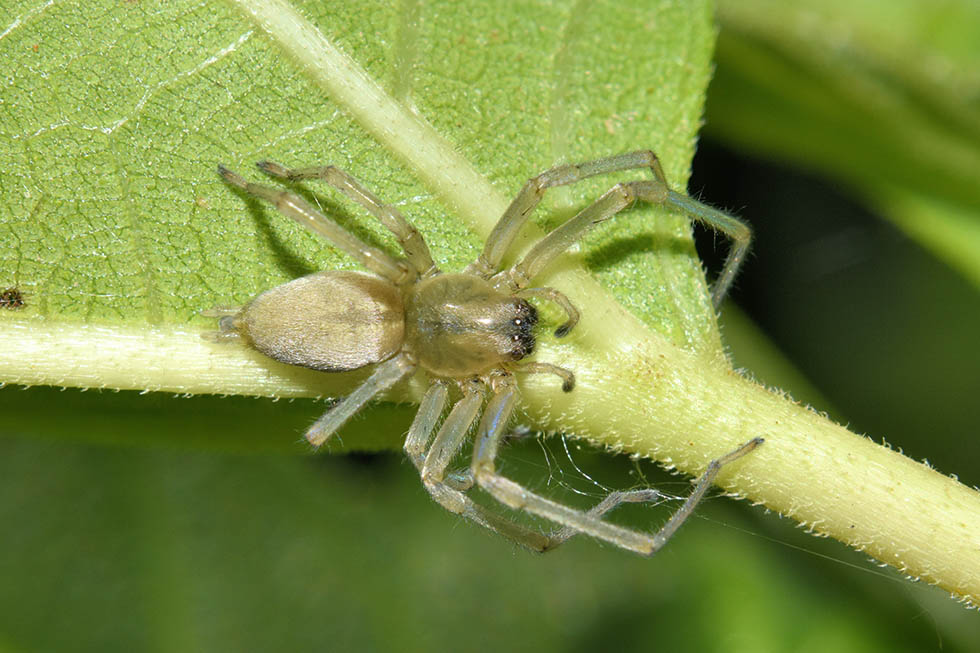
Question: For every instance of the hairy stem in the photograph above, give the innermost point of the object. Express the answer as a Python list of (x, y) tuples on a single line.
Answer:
[(643, 396)]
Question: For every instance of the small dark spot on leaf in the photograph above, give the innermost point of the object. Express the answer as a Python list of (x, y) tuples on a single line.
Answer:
[(12, 298)]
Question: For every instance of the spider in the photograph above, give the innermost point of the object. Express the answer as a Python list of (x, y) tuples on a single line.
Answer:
[(471, 329)]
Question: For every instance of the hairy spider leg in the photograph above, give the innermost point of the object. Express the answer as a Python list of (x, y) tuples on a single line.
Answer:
[(737, 231), (516, 215), (385, 375), (432, 465), (655, 191), (450, 492), (424, 424), (293, 206), (411, 241), (574, 521)]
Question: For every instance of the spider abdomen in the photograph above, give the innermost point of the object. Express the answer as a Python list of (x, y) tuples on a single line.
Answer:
[(331, 321), (458, 325)]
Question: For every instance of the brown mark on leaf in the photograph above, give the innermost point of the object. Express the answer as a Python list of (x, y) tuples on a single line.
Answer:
[(12, 298)]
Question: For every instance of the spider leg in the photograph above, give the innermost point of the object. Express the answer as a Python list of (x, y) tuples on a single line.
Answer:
[(293, 206), (516, 215), (655, 191), (575, 521), (608, 504), (384, 376), (411, 241), (620, 197), (737, 231), (424, 424), (485, 450), (452, 433), (617, 198), (496, 417), (534, 367), (449, 492)]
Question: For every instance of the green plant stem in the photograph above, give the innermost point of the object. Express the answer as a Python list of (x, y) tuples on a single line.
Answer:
[(640, 395)]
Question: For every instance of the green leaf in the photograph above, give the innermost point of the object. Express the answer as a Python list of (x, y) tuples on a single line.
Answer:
[(114, 213), (120, 232)]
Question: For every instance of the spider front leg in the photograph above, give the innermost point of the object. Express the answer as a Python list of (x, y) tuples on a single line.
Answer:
[(736, 230), (620, 197), (517, 214), (576, 521), (655, 191)]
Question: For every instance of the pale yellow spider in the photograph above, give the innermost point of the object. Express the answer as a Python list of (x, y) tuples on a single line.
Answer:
[(470, 329)]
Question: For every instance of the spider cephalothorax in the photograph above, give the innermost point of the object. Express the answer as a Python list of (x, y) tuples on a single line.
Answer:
[(458, 325)]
